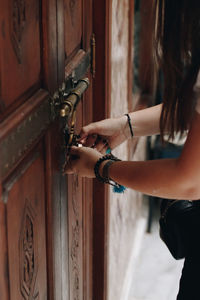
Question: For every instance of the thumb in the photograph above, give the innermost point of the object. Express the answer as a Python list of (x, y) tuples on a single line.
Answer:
[(74, 152)]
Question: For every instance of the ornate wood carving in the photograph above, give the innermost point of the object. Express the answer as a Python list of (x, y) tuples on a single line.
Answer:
[(75, 244), (17, 26), (72, 4), (14, 145), (74, 199), (74, 256), (28, 255)]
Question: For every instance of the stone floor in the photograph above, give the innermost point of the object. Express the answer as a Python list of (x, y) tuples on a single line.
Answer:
[(156, 274)]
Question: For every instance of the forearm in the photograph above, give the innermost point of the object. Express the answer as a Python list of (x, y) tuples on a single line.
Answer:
[(145, 122), (161, 178), (176, 178)]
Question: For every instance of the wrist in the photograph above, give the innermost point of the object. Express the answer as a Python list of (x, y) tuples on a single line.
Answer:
[(126, 127), (130, 125), (101, 167), (101, 170)]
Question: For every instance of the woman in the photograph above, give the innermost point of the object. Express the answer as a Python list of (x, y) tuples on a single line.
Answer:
[(177, 54)]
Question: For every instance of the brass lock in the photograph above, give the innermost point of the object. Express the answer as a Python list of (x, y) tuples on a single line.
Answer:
[(68, 112), (70, 101)]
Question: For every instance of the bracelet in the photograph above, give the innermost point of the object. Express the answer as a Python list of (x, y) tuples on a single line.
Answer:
[(105, 173), (99, 162), (117, 188), (130, 126)]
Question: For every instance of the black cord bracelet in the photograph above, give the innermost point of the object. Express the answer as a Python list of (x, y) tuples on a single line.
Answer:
[(130, 126), (105, 172)]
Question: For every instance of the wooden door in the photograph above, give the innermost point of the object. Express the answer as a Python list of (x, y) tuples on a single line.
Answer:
[(45, 217)]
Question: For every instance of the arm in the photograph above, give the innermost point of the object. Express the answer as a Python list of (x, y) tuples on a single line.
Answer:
[(168, 178), (116, 130), (171, 178)]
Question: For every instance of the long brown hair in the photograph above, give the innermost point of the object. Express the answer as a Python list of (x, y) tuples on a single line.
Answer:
[(177, 51)]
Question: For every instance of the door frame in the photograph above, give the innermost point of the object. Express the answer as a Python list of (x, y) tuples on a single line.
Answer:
[(102, 16), (102, 28)]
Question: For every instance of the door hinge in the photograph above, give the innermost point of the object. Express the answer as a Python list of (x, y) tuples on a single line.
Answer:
[(93, 55)]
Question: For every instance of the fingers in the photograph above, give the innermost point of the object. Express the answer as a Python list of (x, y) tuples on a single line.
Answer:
[(86, 131), (75, 151), (88, 140), (91, 140), (95, 141), (100, 144), (90, 136), (82, 161)]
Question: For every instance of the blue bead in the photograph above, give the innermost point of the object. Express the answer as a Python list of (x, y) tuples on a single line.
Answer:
[(119, 189), (108, 151)]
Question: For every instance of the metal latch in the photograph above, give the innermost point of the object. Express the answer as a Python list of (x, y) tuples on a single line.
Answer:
[(70, 101), (68, 109)]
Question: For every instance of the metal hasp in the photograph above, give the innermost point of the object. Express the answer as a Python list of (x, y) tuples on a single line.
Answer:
[(69, 103)]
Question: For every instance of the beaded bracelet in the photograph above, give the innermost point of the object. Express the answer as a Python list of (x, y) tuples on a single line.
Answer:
[(117, 188), (105, 172), (99, 162), (129, 124)]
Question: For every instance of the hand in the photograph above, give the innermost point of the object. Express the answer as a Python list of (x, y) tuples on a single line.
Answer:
[(100, 135), (82, 161)]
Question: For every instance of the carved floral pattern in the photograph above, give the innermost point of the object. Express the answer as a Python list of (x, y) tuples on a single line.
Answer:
[(28, 256), (17, 26), (76, 284), (74, 200), (75, 243), (72, 5)]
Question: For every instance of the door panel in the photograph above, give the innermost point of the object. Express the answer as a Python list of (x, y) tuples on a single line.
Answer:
[(26, 53), (73, 25), (26, 229), (78, 32), (45, 217), (75, 238), (20, 130), (20, 49)]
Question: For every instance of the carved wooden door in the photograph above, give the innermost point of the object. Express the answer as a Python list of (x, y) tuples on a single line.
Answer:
[(45, 217)]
